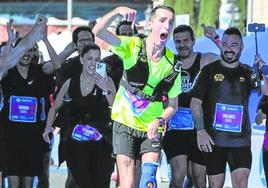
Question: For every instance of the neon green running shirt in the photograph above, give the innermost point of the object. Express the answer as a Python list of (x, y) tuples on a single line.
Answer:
[(122, 111)]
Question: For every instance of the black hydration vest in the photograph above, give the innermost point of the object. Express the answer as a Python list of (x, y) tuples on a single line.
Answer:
[(136, 78)]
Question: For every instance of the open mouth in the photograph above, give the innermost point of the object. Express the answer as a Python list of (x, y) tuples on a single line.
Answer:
[(163, 36)]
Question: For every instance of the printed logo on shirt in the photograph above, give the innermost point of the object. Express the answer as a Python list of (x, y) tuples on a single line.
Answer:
[(241, 79), (186, 86), (218, 77)]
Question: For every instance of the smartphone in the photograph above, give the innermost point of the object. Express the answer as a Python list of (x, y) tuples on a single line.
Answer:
[(101, 69), (256, 27)]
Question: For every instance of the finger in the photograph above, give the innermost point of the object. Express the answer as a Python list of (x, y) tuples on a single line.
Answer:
[(209, 147), (133, 22), (46, 138), (211, 141), (126, 17)]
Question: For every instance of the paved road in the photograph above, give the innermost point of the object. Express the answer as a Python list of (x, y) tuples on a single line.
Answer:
[(58, 176)]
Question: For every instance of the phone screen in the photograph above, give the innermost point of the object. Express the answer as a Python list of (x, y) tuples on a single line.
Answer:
[(101, 69)]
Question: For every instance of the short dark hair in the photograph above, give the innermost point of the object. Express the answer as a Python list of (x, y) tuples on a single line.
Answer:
[(184, 28), (233, 31), (91, 46), (162, 7), (78, 30), (124, 22)]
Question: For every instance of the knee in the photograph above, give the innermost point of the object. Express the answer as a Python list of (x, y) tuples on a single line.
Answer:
[(241, 183), (148, 178), (199, 180), (177, 179)]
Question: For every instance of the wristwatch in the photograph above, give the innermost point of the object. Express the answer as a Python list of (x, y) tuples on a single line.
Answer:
[(106, 92)]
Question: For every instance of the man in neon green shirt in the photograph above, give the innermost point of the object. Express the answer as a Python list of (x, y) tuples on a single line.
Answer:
[(139, 108)]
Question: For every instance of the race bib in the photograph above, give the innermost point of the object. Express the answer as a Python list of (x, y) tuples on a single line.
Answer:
[(23, 109), (228, 117), (137, 104), (181, 120), (84, 133)]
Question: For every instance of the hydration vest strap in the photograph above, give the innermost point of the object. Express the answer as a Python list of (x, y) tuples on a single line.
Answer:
[(136, 91)]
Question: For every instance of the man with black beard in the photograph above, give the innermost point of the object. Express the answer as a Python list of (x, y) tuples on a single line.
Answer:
[(220, 111), (180, 143)]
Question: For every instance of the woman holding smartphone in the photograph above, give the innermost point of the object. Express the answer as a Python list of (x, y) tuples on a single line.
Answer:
[(84, 115)]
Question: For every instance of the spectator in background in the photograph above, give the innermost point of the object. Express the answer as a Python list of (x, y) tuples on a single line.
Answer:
[(81, 37)]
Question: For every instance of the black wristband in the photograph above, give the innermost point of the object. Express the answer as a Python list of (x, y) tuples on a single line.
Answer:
[(162, 121)]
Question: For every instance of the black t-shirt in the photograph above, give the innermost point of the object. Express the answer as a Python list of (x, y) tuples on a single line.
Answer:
[(228, 91), (188, 77)]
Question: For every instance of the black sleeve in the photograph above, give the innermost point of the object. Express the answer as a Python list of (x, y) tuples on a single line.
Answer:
[(201, 84)]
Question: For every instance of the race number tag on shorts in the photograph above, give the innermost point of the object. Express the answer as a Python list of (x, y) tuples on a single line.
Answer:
[(138, 105), (228, 117), (181, 120), (22, 109), (85, 133)]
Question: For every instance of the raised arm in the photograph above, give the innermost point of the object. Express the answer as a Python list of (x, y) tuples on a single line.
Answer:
[(55, 63), (101, 28), (13, 56), (7, 49), (53, 111), (210, 33), (67, 51)]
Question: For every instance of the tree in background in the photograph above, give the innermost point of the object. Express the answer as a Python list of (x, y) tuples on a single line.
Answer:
[(208, 14), (242, 4), (184, 7)]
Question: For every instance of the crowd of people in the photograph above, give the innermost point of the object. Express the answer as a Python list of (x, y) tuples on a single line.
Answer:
[(192, 105)]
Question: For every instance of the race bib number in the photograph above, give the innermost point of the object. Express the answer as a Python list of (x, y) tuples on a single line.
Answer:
[(84, 133), (137, 104), (181, 120), (228, 117), (23, 109)]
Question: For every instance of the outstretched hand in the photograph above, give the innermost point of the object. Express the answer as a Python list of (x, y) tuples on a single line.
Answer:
[(209, 31)]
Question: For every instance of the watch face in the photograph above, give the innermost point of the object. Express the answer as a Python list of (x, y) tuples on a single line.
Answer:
[(107, 92)]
